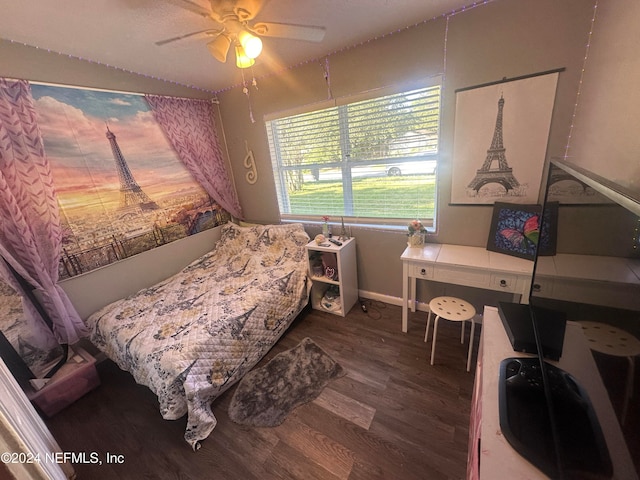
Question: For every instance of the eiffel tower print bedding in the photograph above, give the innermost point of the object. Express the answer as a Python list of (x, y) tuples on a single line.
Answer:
[(192, 336)]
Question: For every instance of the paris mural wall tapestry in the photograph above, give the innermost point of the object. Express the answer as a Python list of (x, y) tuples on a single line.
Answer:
[(500, 140), (121, 187)]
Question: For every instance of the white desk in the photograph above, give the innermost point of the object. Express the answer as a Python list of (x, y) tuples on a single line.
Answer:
[(497, 458), (462, 265), (607, 281)]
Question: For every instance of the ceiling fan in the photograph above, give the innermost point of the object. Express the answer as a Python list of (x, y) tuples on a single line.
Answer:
[(236, 27)]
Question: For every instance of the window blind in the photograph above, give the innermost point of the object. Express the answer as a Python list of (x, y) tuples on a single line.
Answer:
[(372, 161)]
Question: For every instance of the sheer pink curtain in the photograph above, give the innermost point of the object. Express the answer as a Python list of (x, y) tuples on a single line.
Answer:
[(30, 232), (39, 335), (190, 127)]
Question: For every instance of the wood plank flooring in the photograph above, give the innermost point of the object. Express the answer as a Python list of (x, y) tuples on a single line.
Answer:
[(393, 416)]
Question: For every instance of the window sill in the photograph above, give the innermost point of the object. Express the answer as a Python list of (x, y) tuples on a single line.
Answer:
[(336, 226)]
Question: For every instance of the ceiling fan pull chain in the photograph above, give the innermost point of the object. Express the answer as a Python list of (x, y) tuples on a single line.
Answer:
[(254, 82), (245, 90)]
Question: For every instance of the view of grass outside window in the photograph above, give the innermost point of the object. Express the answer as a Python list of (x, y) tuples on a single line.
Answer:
[(371, 161)]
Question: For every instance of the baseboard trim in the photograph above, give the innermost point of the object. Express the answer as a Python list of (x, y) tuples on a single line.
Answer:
[(421, 306)]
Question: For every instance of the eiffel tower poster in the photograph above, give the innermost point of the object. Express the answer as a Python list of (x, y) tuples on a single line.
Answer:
[(500, 140)]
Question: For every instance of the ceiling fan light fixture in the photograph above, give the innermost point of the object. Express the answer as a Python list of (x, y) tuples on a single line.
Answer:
[(251, 44), (219, 47), (242, 60)]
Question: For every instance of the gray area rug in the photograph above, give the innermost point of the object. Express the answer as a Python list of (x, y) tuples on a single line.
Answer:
[(266, 395)]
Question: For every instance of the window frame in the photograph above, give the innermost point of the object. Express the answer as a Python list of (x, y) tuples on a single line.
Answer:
[(378, 223)]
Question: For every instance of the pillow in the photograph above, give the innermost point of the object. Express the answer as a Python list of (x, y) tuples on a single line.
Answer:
[(234, 238), (280, 243), (247, 224), (232, 241)]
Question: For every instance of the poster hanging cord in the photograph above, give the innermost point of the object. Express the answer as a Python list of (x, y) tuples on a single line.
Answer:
[(327, 77)]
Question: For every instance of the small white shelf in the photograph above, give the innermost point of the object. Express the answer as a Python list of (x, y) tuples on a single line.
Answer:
[(347, 277)]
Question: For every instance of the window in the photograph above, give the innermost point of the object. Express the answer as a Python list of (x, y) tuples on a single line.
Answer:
[(372, 161)]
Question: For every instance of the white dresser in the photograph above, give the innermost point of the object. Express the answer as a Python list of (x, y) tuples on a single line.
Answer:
[(490, 455)]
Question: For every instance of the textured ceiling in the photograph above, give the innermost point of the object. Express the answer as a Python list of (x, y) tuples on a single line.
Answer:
[(123, 33)]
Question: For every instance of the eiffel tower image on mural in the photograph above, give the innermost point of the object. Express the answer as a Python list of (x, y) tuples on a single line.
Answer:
[(495, 168), (131, 195)]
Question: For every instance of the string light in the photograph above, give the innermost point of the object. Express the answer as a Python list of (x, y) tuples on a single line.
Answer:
[(444, 50), (325, 63), (300, 64), (584, 65), (365, 42), (635, 241), (95, 62), (444, 57)]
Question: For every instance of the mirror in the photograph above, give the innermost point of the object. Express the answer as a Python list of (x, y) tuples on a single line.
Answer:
[(594, 278), (36, 347)]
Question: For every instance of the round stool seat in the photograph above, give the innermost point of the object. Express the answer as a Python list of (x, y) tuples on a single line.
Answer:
[(614, 341), (455, 310), (611, 340), (452, 308)]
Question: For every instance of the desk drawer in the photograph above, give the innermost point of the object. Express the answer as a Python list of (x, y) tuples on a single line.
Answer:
[(420, 270), (505, 282), (543, 287), (463, 276)]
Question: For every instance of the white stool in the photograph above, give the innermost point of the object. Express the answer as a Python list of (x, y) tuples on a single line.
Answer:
[(455, 310), (614, 341)]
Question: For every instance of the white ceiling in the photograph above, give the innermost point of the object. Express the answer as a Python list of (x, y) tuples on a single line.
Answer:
[(122, 33)]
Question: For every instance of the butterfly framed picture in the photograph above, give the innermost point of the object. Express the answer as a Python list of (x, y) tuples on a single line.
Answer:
[(516, 230)]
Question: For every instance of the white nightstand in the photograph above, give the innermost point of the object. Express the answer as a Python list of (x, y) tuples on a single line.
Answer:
[(338, 292)]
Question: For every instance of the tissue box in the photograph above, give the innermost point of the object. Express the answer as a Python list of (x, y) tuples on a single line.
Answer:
[(75, 378)]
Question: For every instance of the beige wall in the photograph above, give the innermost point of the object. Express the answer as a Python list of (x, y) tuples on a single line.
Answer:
[(501, 39), (38, 65), (605, 136), (504, 38), (93, 290)]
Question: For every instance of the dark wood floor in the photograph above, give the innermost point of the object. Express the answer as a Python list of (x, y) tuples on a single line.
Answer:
[(393, 416)]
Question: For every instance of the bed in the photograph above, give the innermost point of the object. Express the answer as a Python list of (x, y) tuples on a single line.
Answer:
[(192, 336)]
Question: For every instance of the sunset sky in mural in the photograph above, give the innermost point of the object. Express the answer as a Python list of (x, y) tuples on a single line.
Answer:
[(74, 125)]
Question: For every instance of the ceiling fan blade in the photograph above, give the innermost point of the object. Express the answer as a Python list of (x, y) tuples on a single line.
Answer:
[(191, 6), (210, 32), (289, 30)]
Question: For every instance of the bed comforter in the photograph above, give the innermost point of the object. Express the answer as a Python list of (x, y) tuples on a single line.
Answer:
[(192, 336)]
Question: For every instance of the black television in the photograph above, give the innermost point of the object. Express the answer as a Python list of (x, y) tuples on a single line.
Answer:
[(593, 279)]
